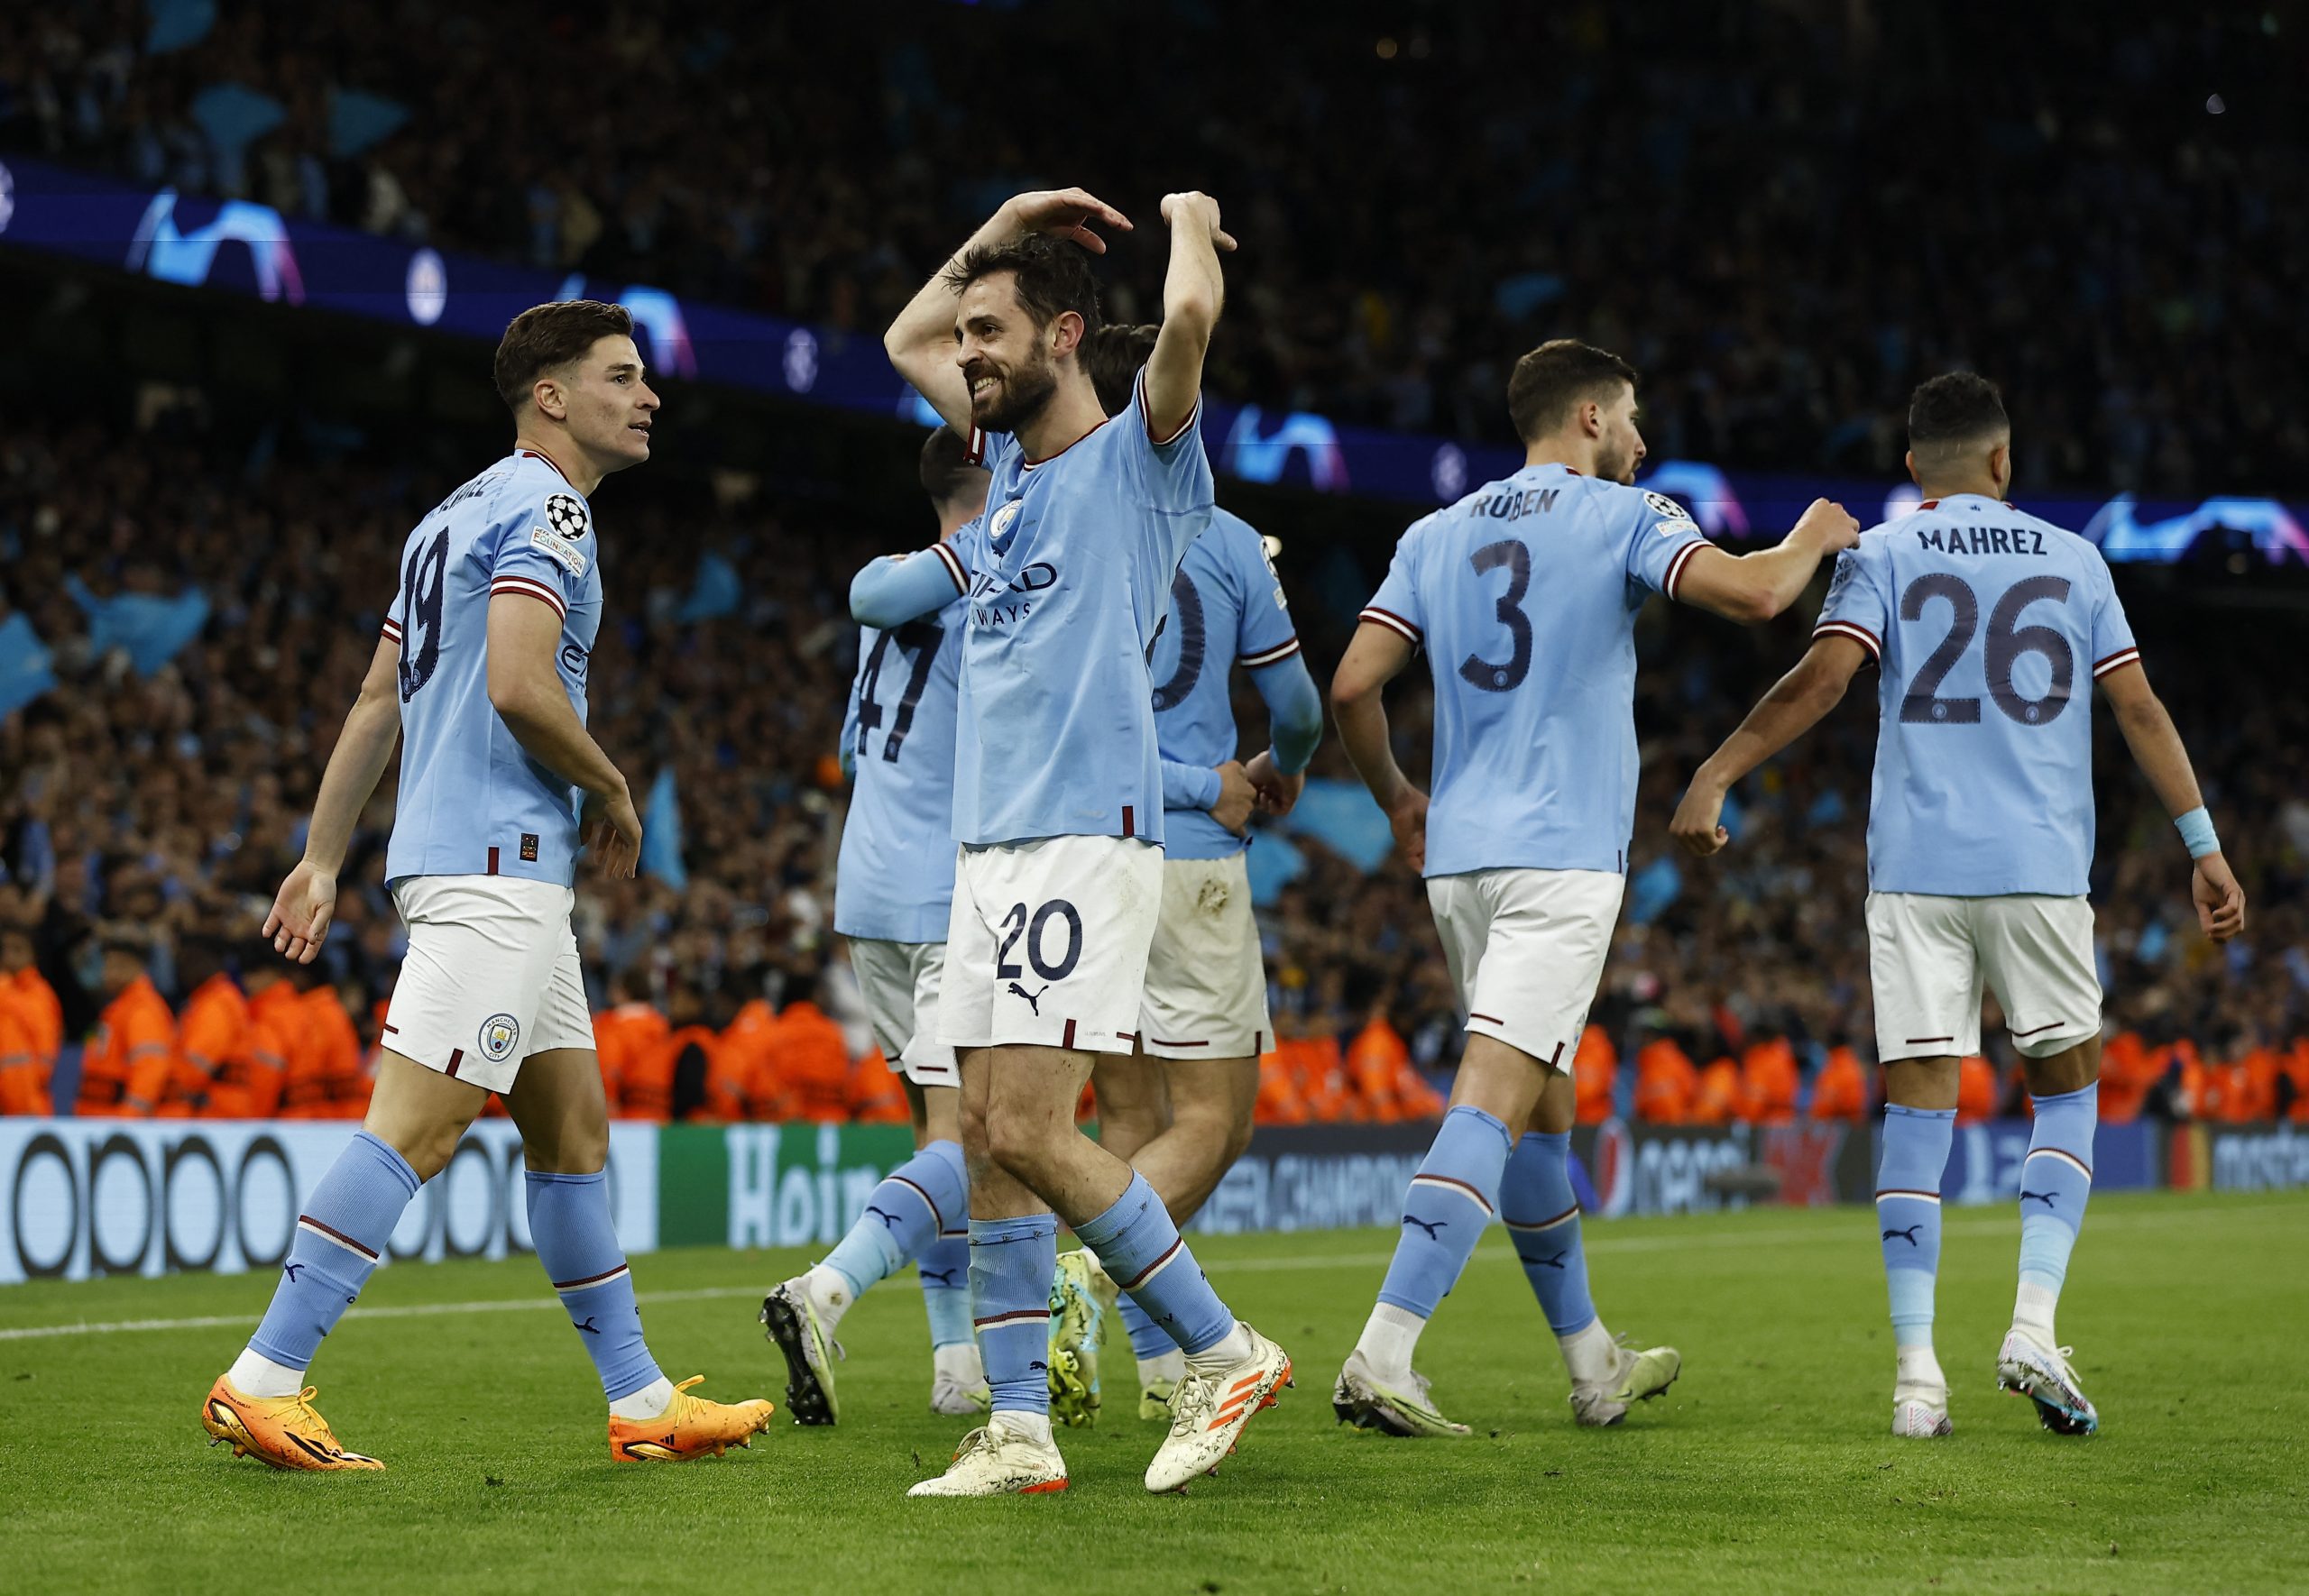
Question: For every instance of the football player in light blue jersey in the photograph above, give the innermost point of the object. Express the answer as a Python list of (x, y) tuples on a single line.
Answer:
[(1058, 800), (894, 885), (1180, 1107), (1524, 594), (482, 669), (1987, 624)]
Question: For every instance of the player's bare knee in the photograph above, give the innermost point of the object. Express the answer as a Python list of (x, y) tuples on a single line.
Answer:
[(578, 1150), (1017, 1139), (2070, 1069)]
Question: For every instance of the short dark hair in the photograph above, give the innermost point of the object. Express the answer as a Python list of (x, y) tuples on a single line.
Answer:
[(1112, 355), (1953, 408), (1050, 276), (1559, 374), (946, 468), (544, 337)]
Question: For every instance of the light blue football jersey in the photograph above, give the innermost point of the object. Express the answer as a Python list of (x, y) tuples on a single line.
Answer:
[(1524, 595), (472, 802), (1990, 626), (1227, 608), (1070, 578), (895, 879)]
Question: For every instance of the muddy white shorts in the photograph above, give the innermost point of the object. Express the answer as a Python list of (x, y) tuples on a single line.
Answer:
[(900, 983), (1929, 956), (1526, 948), (1206, 982), (491, 977), (1047, 943)]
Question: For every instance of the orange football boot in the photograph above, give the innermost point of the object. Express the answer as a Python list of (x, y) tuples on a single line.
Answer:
[(286, 1432), (690, 1428)]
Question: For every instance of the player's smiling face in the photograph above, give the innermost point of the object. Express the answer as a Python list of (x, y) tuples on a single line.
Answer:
[(1620, 450), (609, 403), (1004, 356)]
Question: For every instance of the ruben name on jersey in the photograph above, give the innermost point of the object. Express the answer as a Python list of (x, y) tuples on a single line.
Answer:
[(1524, 594), (472, 801), (1989, 626)]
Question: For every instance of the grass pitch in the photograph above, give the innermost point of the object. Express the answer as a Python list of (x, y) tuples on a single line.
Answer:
[(1768, 1467)]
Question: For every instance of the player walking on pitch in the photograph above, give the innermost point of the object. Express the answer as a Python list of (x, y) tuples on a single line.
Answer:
[(1058, 801), (894, 887), (1524, 594), (1980, 842), (485, 648)]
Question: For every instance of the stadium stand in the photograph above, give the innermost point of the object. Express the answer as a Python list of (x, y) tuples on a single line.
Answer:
[(1395, 275)]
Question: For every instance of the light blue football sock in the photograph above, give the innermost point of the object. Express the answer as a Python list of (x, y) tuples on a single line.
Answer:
[(1908, 1214), (2056, 1181), (903, 1216), (340, 1237), (1451, 1199), (1148, 1340), (576, 1242), (944, 1267), (1541, 1214), (1011, 1264), (1144, 1253)]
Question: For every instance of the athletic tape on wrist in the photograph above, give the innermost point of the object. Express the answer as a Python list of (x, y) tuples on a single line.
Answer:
[(2196, 832)]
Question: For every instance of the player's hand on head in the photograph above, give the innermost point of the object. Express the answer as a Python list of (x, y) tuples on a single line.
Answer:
[(610, 828), (1695, 822), (1237, 797), (1277, 792), (1192, 204), (2220, 900), (301, 912), (1068, 213), (1408, 820), (1830, 525)]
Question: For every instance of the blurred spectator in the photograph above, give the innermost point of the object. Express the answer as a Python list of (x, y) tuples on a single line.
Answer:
[(1735, 196)]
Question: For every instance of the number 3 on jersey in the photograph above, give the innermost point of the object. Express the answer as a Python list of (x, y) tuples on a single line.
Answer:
[(919, 639), (1504, 676)]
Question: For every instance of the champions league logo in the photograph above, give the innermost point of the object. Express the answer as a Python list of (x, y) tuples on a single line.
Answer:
[(566, 514)]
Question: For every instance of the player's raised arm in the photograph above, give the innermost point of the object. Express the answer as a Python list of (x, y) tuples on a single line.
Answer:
[(307, 901), (1752, 588), (1794, 706), (2156, 749), (1375, 656), (920, 341), (1193, 294), (525, 688)]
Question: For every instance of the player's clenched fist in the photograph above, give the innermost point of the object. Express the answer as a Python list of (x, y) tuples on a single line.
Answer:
[(1697, 822), (1828, 525), (1194, 205), (1067, 213)]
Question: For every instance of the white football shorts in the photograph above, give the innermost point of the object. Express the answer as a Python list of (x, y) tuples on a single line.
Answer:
[(491, 977), (1206, 981), (1929, 956), (900, 983), (1047, 943), (1526, 948)]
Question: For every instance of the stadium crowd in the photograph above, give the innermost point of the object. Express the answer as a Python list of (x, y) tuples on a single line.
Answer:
[(1668, 188), (149, 808)]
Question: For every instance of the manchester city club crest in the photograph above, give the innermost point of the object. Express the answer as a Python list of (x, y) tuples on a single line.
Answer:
[(565, 513), (500, 1035)]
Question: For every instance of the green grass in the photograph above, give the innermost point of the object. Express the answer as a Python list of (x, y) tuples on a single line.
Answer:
[(1767, 1468)]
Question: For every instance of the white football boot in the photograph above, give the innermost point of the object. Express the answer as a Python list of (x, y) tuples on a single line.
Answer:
[(995, 1460), (2027, 1366), (1209, 1412), (1636, 1377)]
